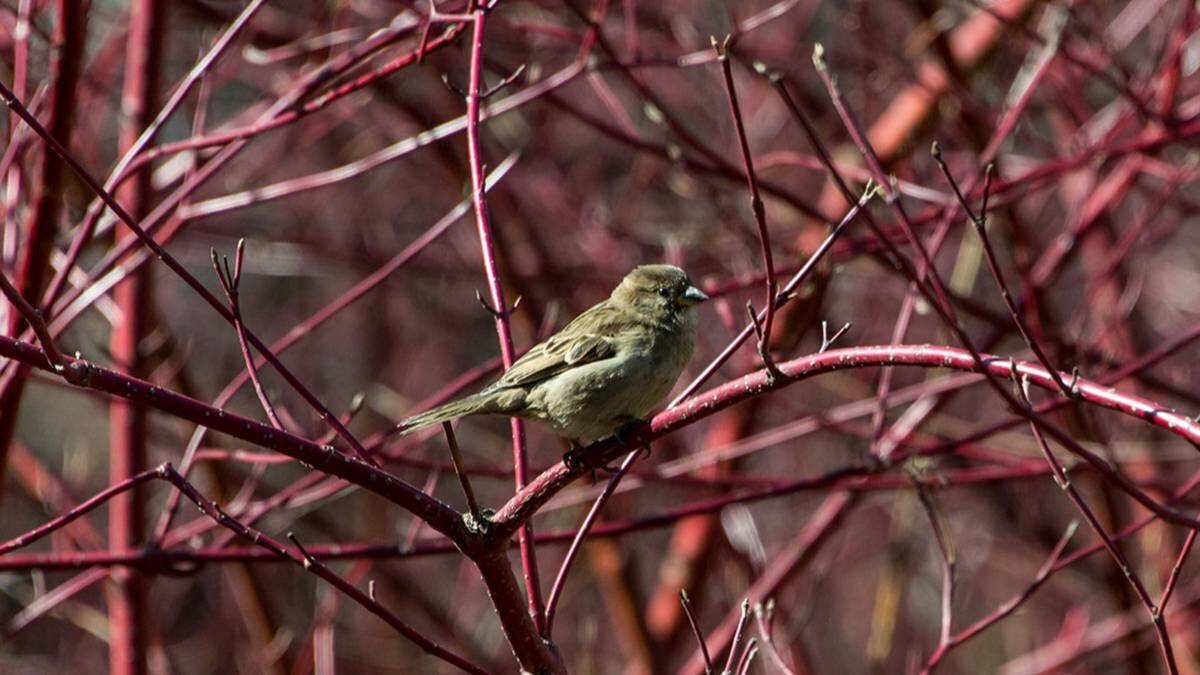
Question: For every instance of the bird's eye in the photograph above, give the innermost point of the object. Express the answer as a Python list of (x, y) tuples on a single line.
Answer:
[(664, 291)]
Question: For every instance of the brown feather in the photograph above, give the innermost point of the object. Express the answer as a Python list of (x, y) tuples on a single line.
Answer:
[(609, 366)]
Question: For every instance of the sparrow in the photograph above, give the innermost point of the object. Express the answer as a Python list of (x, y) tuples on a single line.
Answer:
[(605, 370)]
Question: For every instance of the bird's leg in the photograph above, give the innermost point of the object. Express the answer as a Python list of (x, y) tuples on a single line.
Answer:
[(644, 453), (623, 435), (629, 427)]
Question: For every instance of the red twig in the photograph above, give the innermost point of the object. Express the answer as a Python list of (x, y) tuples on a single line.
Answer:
[(503, 327), (979, 222), (34, 318), (41, 223), (84, 507), (799, 551), (785, 295), (748, 657), (318, 568), (128, 434), (323, 315), (763, 615), (737, 637), (123, 169), (757, 208), (463, 481), (1007, 608), (582, 533), (936, 292), (278, 112), (691, 617), (549, 482), (946, 551), (84, 374), (230, 282), (1173, 579), (182, 273), (852, 126), (1060, 477)]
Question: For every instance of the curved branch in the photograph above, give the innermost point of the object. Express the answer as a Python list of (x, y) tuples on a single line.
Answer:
[(529, 500), (81, 373)]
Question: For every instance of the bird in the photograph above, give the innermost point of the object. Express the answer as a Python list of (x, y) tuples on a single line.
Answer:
[(604, 371)]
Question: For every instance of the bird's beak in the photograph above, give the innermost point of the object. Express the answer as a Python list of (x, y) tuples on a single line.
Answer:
[(692, 296)]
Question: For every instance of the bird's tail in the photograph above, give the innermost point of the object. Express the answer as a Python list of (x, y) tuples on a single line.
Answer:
[(471, 405)]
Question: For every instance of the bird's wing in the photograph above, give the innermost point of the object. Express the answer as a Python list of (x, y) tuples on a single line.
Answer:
[(589, 337)]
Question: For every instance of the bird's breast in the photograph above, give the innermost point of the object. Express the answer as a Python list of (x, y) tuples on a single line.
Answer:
[(591, 401)]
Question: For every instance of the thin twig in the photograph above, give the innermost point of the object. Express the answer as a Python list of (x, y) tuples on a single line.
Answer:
[(230, 283), (321, 316), (310, 563), (35, 321), (1060, 477), (1008, 607), (463, 480), (747, 659), (529, 568), (79, 510), (691, 617), (584, 529), (1173, 579), (936, 293), (123, 168), (979, 222), (947, 553), (826, 341), (763, 615), (737, 637), (784, 296), (756, 206), (175, 266)]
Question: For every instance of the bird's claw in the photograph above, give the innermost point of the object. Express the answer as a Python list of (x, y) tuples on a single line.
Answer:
[(573, 459)]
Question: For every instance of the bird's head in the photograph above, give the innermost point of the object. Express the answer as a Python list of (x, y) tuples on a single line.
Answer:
[(662, 289)]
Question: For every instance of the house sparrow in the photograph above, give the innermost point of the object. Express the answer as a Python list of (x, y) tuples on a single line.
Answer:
[(608, 368)]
